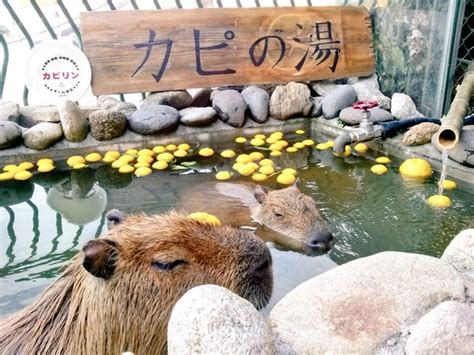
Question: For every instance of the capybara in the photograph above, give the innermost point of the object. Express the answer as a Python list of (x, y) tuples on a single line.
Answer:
[(117, 295), (292, 214)]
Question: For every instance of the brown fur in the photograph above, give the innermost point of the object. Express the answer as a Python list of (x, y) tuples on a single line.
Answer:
[(125, 306)]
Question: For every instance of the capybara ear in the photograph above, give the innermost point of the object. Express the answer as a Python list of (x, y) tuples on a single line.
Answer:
[(100, 256), (115, 217), (260, 193)]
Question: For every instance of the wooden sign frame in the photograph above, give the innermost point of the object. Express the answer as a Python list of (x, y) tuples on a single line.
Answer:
[(136, 51)]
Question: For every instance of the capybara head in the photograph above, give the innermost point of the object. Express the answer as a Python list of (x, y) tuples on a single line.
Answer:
[(294, 214), (118, 294)]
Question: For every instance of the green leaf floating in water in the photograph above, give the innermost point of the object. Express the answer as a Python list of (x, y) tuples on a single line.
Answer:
[(188, 163)]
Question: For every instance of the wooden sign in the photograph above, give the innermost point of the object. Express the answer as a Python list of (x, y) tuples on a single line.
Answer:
[(135, 51)]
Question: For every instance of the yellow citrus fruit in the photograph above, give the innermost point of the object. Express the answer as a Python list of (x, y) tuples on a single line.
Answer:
[(159, 149), (278, 135), (160, 165), (383, 160), (289, 171), (346, 153), (180, 153), (330, 144), (228, 153), (143, 171), (109, 159), (112, 153), (6, 176), (132, 152), (147, 152), (142, 164), (266, 162), (257, 142), (292, 149), (243, 158), (308, 142), (145, 159), (26, 165), (127, 158), (300, 131), (266, 169), (275, 147), (379, 169), (299, 145), (240, 140), (256, 155), (253, 165), (361, 148), (45, 168), (206, 152), (322, 146), (76, 159), (440, 201), (416, 168), (259, 177), (271, 140), (44, 161), (165, 157), (11, 167), (286, 179), (171, 147), (184, 146), (260, 136), (23, 175), (237, 165), (275, 153), (204, 217), (449, 184), (125, 169), (93, 157), (246, 170), (282, 143), (223, 175), (79, 166), (119, 163)]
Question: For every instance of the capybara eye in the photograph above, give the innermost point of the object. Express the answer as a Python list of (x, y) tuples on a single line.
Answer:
[(278, 214), (166, 266)]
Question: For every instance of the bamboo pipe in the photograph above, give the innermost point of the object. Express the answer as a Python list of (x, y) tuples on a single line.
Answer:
[(452, 123)]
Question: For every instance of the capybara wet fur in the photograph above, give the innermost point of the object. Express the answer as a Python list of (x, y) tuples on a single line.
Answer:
[(117, 295)]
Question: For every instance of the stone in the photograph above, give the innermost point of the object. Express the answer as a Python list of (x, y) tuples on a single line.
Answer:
[(324, 87), (176, 99), (460, 252), (107, 102), (126, 108), (257, 103), (154, 119), (210, 319), (352, 116), (42, 135), (420, 133), (367, 88), (355, 307), (447, 329), (340, 98), (197, 116), (31, 115), (74, 123), (10, 134), (202, 98), (403, 107), (317, 108), (230, 107), (290, 100), (9, 111), (87, 110), (107, 124), (462, 152)]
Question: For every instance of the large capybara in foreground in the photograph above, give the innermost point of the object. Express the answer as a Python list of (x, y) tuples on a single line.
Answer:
[(294, 216), (118, 294)]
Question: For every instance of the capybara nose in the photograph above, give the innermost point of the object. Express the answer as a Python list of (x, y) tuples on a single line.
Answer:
[(321, 241)]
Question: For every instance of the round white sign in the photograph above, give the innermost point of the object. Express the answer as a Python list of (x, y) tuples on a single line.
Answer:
[(58, 70)]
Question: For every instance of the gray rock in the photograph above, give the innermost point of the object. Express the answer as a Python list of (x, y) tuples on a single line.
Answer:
[(368, 89), (42, 135), (87, 110), (210, 319), (31, 115), (230, 107), (403, 107), (350, 115), (202, 98), (257, 102), (74, 123), (324, 87), (154, 119), (10, 134), (340, 98), (290, 100), (107, 124), (9, 111), (126, 108), (317, 108), (176, 99), (355, 307), (462, 151), (447, 329), (460, 252), (197, 116), (107, 102), (420, 133)]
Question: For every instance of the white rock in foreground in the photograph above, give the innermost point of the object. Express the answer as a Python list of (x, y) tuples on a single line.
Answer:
[(460, 252), (355, 307), (211, 319)]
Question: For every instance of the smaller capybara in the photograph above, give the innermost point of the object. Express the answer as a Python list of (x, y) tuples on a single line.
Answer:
[(294, 216), (117, 295)]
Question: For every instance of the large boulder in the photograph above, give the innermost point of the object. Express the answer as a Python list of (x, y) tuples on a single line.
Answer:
[(403, 107), (31, 115), (126, 108), (211, 319), (42, 135), (10, 134), (176, 99), (447, 329), (420, 134), (107, 124), (352, 116), (230, 107), (357, 306), (290, 100), (154, 119), (73, 121), (257, 102), (107, 102), (9, 111), (367, 88), (337, 100), (197, 116), (460, 252), (324, 87)]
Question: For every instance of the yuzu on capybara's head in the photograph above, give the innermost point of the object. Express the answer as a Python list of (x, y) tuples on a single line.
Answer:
[(118, 294)]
